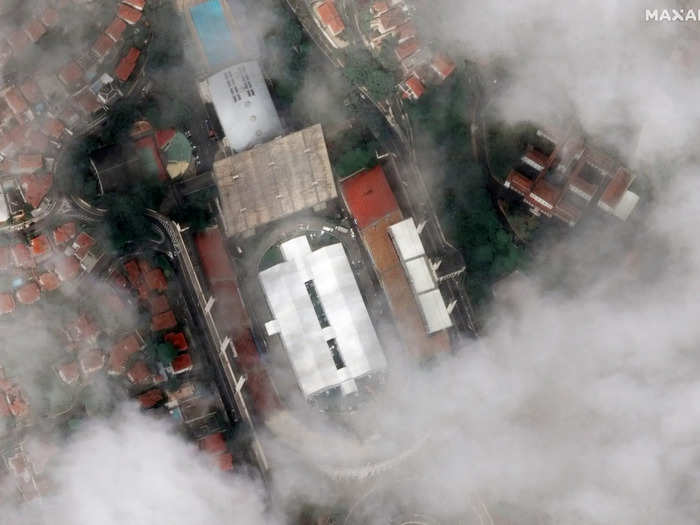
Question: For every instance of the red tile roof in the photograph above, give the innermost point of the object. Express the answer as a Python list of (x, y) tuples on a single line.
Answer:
[(369, 196), (36, 141), (22, 256), (49, 281), (225, 462), (82, 243), (151, 398), (28, 293), (114, 303), (102, 45), (212, 253), (67, 268), (69, 373), (133, 273), (122, 350), (30, 163), (519, 182), (144, 265), (328, 14), (155, 280), (91, 361), (136, 4), (443, 66), (35, 187), (377, 8), (64, 233), (415, 86), (406, 48), (391, 19), (177, 339), (139, 372), (158, 304), (18, 404), (7, 303), (127, 64), (35, 30), (406, 31), (163, 321), (182, 363), (18, 41), (115, 29), (71, 75), (82, 329), (213, 444), (119, 280), (547, 192), (40, 245), (164, 136), (616, 188), (31, 91), (129, 14), (15, 100), (53, 128), (49, 17)]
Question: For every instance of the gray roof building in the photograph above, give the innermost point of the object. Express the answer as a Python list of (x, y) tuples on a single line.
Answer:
[(273, 180)]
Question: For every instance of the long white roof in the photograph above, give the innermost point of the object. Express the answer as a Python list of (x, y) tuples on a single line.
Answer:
[(305, 340), (409, 246)]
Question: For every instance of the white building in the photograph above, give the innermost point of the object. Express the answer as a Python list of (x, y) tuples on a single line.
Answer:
[(243, 105), (321, 317), (421, 274)]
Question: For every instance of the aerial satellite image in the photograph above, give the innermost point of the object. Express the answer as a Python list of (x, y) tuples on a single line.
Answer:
[(349, 262)]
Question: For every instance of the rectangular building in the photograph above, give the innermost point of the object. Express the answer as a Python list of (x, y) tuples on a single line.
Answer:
[(243, 105), (269, 182), (323, 321), (420, 321)]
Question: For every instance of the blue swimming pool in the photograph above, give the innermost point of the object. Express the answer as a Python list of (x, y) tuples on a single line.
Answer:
[(214, 34)]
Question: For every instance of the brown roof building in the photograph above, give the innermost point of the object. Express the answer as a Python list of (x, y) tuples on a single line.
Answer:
[(7, 303), (122, 350), (566, 180), (127, 13), (49, 281), (329, 17), (71, 75), (102, 46), (163, 321), (35, 30), (115, 29), (28, 293), (374, 208), (67, 267)]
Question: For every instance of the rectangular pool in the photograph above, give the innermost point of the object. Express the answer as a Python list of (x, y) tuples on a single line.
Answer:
[(215, 34)]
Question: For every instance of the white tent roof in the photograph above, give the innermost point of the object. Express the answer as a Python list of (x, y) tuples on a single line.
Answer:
[(305, 340), (407, 241)]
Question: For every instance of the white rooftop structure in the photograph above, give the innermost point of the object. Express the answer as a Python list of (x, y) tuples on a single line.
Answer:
[(321, 317), (420, 273), (243, 105)]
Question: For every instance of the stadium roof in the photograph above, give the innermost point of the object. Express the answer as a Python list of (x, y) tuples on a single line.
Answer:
[(321, 317), (273, 180), (244, 106), (405, 236)]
